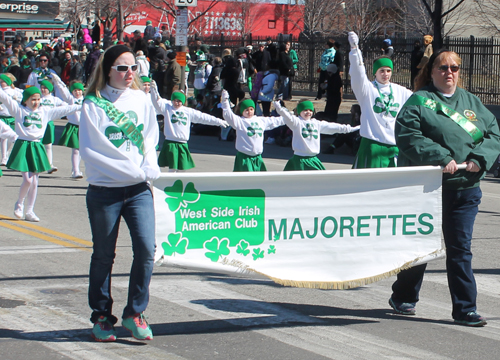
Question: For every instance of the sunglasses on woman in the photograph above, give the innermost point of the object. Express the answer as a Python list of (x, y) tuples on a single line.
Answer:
[(453, 68), (124, 68)]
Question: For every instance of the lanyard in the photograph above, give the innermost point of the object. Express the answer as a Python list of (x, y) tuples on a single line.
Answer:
[(386, 105)]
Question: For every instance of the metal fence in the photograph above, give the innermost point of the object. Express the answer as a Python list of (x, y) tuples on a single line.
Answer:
[(480, 70)]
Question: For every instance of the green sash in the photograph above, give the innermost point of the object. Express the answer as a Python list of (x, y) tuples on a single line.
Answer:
[(121, 120), (461, 120)]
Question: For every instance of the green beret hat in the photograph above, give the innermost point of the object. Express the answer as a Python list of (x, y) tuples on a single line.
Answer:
[(76, 86), (245, 104), (5, 78), (29, 92), (177, 95), (145, 79), (305, 105), (381, 63), (47, 84)]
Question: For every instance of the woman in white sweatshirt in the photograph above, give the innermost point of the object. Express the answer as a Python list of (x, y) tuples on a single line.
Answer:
[(380, 102), (118, 136)]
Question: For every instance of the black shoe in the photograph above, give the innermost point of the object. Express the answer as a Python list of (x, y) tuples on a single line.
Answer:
[(471, 319), (403, 308)]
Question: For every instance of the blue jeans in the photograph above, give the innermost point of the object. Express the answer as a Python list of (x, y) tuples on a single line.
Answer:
[(106, 206), (284, 89), (460, 208)]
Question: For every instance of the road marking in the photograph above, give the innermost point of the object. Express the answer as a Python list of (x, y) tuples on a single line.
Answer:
[(34, 249), (45, 234)]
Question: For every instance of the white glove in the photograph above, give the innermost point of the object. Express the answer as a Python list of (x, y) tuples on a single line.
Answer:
[(151, 173), (353, 39), (153, 85), (224, 95), (224, 124), (277, 104)]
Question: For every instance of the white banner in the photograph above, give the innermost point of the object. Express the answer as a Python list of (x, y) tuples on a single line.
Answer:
[(319, 229)]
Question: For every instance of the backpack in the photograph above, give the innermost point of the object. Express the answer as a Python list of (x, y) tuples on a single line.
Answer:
[(257, 85), (242, 77)]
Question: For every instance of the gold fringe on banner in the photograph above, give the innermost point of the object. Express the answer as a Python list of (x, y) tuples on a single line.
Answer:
[(332, 285)]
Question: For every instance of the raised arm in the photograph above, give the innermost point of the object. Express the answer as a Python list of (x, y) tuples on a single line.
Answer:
[(10, 104), (159, 103), (228, 115), (289, 119), (62, 90), (359, 81)]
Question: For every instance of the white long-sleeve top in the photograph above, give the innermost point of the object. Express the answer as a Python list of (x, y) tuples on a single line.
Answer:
[(306, 133), (51, 101), (63, 93), (6, 132), (250, 131), (15, 94), (38, 75), (31, 125), (375, 126), (177, 123), (111, 160)]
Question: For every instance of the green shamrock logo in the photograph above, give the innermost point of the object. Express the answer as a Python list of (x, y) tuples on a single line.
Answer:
[(178, 196), (258, 254), (271, 250), (175, 244), (309, 131), (243, 248), (276, 237), (133, 117), (46, 103), (379, 106), (216, 248), (115, 135), (254, 129), (32, 119), (179, 117)]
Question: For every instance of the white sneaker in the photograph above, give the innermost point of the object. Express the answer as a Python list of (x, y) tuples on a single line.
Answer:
[(53, 169), (270, 141), (18, 210), (30, 216), (4, 162), (77, 175)]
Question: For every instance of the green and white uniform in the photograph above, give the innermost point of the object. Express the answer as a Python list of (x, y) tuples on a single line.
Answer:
[(380, 104), (111, 159), (28, 153), (175, 152), (249, 138), (50, 101), (6, 133), (429, 137), (306, 139), (5, 116), (69, 136)]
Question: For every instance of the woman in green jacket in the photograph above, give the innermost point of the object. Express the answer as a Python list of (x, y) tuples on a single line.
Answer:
[(443, 124)]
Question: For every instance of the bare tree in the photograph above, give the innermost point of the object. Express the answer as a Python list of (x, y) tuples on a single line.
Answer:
[(416, 18), (489, 14), (75, 12), (438, 10), (319, 16), (367, 17), (168, 8)]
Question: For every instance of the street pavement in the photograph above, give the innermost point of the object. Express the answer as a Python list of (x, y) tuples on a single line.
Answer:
[(200, 315)]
